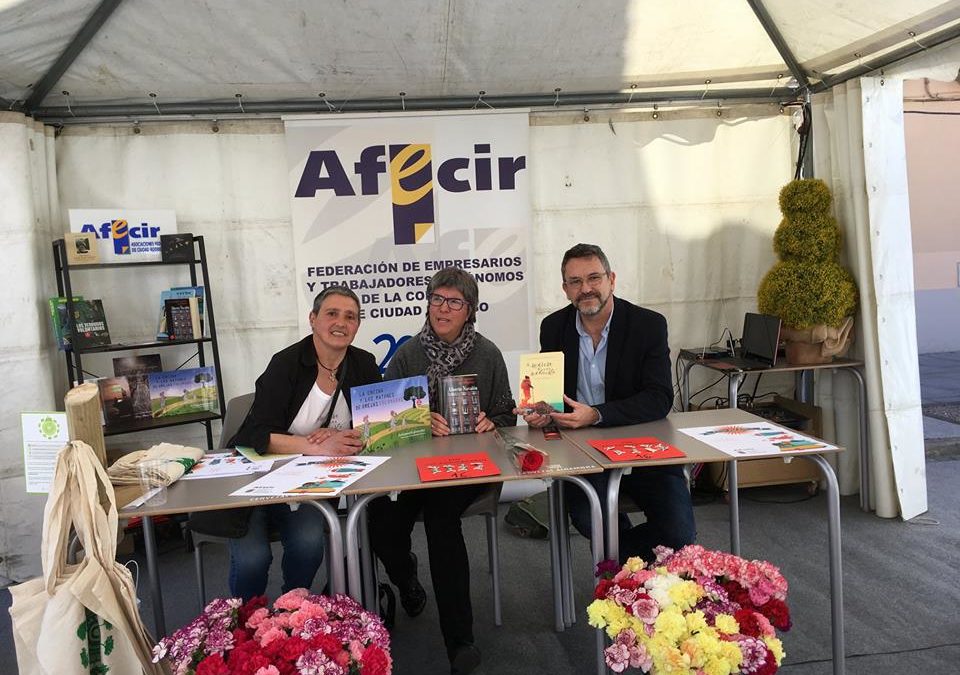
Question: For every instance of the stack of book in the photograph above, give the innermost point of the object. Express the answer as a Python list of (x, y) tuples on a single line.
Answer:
[(88, 319), (181, 313)]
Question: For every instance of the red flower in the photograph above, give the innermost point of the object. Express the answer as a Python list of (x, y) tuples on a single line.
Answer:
[(747, 619), (293, 647), (374, 661), (778, 613), (601, 590), (240, 636), (328, 644), (769, 666), (213, 665)]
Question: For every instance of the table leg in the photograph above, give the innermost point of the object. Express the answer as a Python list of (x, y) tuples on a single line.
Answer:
[(367, 562), (836, 566), (354, 577), (865, 484), (596, 546), (556, 566), (153, 572), (334, 544), (685, 385), (733, 484), (563, 540), (613, 514)]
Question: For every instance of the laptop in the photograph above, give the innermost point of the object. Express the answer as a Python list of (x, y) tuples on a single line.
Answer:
[(759, 344)]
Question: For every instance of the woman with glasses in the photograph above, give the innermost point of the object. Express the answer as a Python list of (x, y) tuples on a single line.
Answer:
[(448, 344)]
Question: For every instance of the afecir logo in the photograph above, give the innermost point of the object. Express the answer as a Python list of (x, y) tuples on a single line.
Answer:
[(412, 179), (120, 233)]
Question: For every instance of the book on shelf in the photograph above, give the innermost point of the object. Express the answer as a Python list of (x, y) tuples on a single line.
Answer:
[(460, 402), (117, 400), (90, 324), (135, 370), (183, 318), (180, 292), (60, 320), (176, 247), (392, 413), (541, 382), (81, 248), (181, 392)]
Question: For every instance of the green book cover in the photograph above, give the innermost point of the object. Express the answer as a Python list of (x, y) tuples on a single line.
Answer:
[(61, 321)]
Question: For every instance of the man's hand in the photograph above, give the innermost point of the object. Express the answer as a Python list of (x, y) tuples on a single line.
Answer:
[(582, 415), (533, 419)]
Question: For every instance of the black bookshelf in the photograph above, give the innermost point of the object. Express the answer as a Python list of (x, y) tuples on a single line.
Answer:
[(207, 343)]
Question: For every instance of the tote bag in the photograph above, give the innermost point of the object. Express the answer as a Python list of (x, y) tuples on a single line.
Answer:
[(80, 618)]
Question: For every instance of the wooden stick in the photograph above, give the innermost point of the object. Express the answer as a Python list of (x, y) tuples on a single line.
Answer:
[(84, 418)]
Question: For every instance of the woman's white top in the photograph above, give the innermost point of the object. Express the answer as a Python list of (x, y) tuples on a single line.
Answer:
[(314, 411)]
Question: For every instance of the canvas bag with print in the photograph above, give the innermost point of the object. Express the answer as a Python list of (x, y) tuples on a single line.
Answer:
[(80, 618)]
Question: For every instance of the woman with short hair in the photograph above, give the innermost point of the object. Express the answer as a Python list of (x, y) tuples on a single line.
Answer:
[(448, 344)]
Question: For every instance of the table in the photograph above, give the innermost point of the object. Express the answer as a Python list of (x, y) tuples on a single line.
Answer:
[(212, 494), (733, 374), (566, 463), (668, 430)]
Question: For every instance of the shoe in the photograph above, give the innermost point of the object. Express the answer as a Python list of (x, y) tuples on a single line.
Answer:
[(464, 659), (387, 604), (412, 596)]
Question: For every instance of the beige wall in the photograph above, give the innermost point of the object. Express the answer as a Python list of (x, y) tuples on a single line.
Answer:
[(933, 166), (932, 134)]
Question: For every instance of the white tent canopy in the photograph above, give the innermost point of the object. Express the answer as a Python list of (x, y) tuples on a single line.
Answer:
[(76, 58), (684, 201)]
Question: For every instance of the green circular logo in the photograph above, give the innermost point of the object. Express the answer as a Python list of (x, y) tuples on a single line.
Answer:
[(49, 428)]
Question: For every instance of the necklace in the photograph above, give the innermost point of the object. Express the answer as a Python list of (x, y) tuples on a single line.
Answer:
[(331, 372)]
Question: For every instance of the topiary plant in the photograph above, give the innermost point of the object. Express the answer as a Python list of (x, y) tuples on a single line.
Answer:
[(808, 287)]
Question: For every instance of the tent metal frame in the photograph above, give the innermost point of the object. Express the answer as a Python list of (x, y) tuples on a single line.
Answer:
[(68, 114)]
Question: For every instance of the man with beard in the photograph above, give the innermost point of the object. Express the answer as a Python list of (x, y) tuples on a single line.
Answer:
[(616, 372)]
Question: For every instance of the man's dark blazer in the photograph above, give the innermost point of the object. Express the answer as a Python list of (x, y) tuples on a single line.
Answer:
[(637, 377)]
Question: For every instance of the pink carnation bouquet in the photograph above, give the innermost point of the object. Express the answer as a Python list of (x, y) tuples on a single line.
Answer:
[(692, 611), (302, 634)]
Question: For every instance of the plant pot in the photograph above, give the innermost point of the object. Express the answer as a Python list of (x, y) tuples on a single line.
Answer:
[(818, 344)]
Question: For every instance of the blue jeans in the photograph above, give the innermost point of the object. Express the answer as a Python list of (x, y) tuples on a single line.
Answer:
[(660, 492), (302, 534)]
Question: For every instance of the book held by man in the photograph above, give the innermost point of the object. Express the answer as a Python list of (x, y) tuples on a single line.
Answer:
[(392, 413), (541, 382), (460, 403)]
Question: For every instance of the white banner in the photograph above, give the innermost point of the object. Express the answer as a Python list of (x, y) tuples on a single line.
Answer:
[(125, 235), (381, 202)]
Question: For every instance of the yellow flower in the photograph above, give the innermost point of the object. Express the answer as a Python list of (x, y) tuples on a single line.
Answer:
[(671, 624), (634, 564), (685, 594), (775, 646), (696, 621), (726, 624)]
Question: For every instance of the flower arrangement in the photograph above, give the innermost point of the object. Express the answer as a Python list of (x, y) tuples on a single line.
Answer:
[(302, 634), (693, 611)]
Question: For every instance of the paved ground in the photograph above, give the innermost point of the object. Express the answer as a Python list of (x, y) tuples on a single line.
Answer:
[(940, 383)]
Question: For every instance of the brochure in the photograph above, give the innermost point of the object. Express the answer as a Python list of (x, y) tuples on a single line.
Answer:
[(220, 464), (454, 467), (44, 435), (632, 449), (541, 382), (392, 413), (755, 438), (311, 475)]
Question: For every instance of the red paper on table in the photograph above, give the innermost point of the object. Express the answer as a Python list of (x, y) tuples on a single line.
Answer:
[(452, 467), (632, 449)]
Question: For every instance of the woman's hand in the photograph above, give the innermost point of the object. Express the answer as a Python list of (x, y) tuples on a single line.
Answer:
[(338, 443), (320, 435), (438, 425), (484, 423)]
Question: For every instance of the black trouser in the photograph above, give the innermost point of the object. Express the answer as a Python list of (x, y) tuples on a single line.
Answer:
[(390, 525)]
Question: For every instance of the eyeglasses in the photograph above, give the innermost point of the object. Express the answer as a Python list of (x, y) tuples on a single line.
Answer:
[(455, 304), (592, 281)]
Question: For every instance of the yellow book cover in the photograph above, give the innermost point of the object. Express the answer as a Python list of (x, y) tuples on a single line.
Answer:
[(541, 382)]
